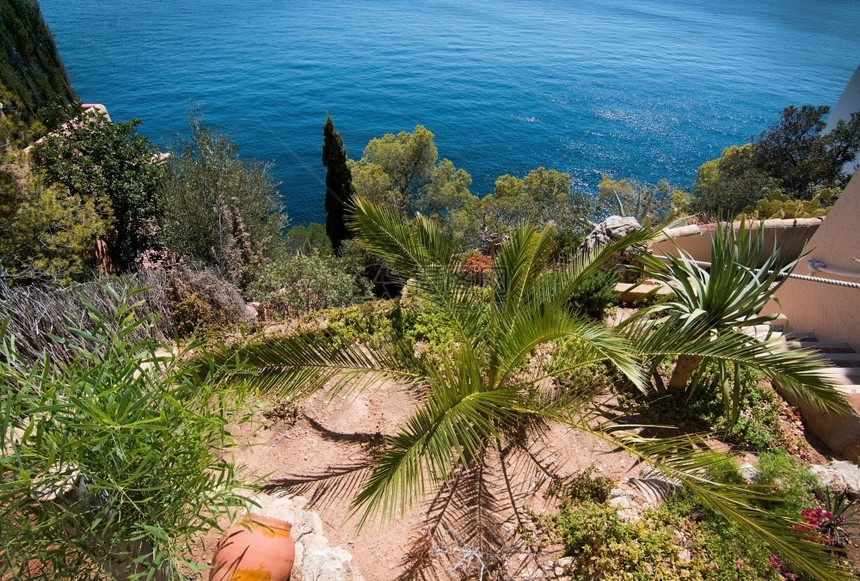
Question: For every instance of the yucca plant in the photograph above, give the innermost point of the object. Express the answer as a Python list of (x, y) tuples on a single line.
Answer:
[(714, 314), (480, 408)]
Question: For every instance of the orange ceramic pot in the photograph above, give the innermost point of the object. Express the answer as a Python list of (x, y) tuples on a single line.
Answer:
[(258, 548)]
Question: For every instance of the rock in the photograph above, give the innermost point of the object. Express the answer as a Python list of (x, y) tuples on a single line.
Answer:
[(748, 472), (326, 563), (617, 492), (252, 311), (611, 229), (685, 556), (839, 476)]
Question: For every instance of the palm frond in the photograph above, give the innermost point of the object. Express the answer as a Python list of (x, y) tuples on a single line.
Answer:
[(520, 263), (330, 485), (462, 530), (532, 326), (801, 372), (451, 429), (296, 366), (418, 251), (557, 285)]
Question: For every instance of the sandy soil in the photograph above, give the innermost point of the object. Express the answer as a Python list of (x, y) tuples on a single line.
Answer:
[(330, 433), (327, 433)]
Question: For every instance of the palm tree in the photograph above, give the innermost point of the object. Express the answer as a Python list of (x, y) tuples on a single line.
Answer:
[(477, 408)]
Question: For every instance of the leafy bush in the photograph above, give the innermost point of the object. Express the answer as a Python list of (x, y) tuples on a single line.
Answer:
[(374, 323), (111, 166), (680, 540), (794, 482), (779, 205), (220, 210), (112, 463), (758, 427), (49, 234), (302, 284)]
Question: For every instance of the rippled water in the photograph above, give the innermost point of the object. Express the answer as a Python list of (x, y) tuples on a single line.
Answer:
[(642, 89)]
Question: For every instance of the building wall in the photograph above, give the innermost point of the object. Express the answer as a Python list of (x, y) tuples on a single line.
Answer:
[(831, 312)]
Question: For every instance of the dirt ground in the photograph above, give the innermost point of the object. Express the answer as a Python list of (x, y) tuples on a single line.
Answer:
[(328, 433)]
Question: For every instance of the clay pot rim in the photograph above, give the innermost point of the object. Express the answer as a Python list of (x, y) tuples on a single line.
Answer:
[(267, 521)]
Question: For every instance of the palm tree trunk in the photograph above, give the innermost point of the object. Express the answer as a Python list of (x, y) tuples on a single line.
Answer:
[(684, 369)]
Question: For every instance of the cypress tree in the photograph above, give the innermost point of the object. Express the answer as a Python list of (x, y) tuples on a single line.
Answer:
[(33, 81), (338, 186)]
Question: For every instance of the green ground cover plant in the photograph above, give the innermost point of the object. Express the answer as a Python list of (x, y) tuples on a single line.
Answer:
[(682, 539)]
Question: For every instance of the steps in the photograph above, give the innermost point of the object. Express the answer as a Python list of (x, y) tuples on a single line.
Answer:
[(840, 433), (843, 357)]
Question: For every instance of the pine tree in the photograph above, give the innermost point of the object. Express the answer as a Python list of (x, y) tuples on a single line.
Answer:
[(338, 186)]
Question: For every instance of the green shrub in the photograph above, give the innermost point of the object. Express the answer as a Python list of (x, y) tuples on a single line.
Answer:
[(791, 479), (758, 426), (301, 284), (680, 540), (112, 463), (595, 295)]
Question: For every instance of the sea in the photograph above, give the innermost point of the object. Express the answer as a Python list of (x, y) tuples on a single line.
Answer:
[(637, 89)]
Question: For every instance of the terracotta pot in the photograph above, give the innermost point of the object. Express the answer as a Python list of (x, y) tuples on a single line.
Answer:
[(258, 548)]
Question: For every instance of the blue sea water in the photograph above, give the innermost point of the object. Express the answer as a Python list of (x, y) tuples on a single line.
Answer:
[(642, 89)]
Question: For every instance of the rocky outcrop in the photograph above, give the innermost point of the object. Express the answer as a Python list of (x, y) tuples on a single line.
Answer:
[(315, 559), (611, 229)]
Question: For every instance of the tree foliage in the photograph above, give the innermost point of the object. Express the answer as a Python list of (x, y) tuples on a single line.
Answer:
[(338, 185), (541, 197), (48, 235), (792, 158), (114, 168), (33, 81), (403, 171), (646, 203), (220, 210), (801, 157), (728, 184)]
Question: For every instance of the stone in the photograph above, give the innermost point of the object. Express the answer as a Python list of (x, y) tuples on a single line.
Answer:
[(326, 563), (839, 476), (620, 502), (748, 472), (617, 492), (611, 229)]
